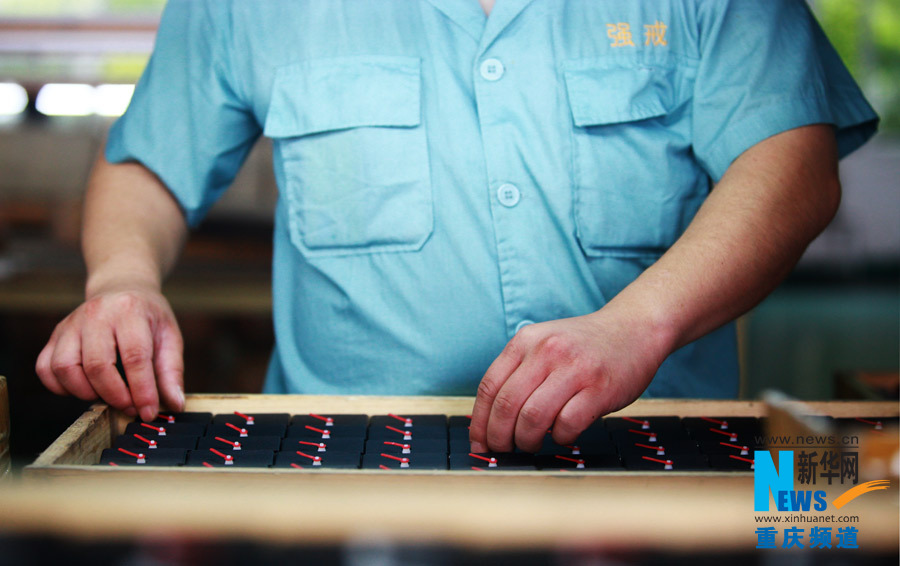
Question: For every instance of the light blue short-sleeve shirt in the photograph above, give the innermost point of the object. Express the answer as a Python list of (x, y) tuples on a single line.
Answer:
[(446, 178)]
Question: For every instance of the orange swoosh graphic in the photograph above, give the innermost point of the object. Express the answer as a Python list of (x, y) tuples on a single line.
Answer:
[(862, 488)]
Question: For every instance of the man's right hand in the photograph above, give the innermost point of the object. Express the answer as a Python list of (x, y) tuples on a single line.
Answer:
[(132, 234), (139, 326)]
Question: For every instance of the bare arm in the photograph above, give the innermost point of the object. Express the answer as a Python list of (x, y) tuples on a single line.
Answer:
[(133, 228), (132, 235), (773, 200)]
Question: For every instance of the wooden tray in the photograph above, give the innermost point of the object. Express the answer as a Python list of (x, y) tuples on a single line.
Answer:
[(689, 512), (79, 447)]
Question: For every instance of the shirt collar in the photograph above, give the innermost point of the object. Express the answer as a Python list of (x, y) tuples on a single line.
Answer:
[(469, 15)]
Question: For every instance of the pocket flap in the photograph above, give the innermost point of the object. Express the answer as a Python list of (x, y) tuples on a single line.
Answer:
[(605, 92), (321, 95)]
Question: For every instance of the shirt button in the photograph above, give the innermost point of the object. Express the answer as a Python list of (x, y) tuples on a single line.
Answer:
[(523, 324), (491, 69), (508, 195)]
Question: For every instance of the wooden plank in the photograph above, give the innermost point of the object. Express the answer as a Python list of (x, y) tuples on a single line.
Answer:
[(434, 509), (301, 404), (56, 292), (678, 513), (75, 475), (82, 442), (370, 404)]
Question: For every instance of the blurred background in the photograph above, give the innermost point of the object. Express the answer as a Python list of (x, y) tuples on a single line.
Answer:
[(67, 69)]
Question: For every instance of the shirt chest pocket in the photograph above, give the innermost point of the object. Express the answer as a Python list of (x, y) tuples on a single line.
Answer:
[(348, 136), (636, 184)]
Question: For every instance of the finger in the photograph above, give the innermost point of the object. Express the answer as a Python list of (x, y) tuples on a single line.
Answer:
[(541, 409), (509, 401), (494, 378), (65, 363), (98, 352), (169, 365), (42, 367), (135, 343), (577, 414)]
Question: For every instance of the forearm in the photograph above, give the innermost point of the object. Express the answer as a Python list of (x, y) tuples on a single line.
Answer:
[(748, 235), (133, 229)]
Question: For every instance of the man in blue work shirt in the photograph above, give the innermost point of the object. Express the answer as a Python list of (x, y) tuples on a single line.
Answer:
[(521, 198)]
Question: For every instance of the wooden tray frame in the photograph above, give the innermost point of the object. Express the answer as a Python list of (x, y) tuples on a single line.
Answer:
[(79, 447)]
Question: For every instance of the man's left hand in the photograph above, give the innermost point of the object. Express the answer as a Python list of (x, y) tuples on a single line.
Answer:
[(563, 375)]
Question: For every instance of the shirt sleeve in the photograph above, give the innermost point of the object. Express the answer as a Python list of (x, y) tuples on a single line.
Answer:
[(767, 67), (187, 121)]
